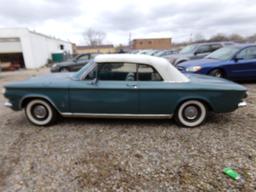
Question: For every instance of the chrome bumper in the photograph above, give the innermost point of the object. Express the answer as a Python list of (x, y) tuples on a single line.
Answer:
[(242, 104), (8, 104)]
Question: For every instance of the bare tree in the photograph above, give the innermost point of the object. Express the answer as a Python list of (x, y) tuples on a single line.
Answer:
[(94, 37), (219, 37), (251, 38), (237, 38)]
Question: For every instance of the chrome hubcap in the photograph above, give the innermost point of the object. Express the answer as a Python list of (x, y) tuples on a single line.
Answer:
[(191, 112), (40, 111), (218, 74)]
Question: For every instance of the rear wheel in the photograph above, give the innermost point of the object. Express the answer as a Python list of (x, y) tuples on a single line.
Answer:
[(217, 73), (40, 112), (64, 70), (191, 113)]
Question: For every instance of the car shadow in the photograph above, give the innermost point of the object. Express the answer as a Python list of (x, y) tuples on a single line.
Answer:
[(116, 121), (218, 119)]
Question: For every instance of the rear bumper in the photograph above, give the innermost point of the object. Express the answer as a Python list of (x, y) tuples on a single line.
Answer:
[(242, 104), (8, 104)]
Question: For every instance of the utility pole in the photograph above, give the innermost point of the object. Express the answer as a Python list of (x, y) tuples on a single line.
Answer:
[(130, 40)]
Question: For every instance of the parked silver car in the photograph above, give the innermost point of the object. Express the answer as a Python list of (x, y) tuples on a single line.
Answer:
[(196, 51)]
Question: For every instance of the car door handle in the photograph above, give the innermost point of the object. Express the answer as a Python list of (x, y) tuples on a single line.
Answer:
[(131, 85)]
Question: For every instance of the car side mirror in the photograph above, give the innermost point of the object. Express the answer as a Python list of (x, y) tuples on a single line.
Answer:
[(236, 59)]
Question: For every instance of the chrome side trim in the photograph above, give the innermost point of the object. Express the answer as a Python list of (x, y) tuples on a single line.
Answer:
[(8, 104), (113, 115), (242, 104)]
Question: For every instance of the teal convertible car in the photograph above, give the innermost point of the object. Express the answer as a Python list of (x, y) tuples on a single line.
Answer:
[(124, 86)]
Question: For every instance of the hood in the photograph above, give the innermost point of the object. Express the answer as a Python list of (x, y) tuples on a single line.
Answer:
[(60, 80), (199, 62), (214, 83), (179, 55)]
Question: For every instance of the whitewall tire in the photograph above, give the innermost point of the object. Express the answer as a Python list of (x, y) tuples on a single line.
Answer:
[(191, 113), (40, 112)]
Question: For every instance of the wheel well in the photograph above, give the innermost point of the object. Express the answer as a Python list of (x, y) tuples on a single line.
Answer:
[(181, 61), (28, 99), (206, 103), (222, 70)]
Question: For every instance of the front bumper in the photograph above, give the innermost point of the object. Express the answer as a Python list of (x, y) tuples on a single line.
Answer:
[(8, 104), (242, 104)]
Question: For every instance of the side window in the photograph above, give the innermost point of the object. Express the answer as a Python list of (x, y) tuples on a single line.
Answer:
[(247, 54), (83, 57), (214, 47), (204, 49), (148, 73), (92, 74), (117, 71)]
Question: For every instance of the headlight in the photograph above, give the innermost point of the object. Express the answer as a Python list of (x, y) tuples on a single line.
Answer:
[(193, 69), (3, 91)]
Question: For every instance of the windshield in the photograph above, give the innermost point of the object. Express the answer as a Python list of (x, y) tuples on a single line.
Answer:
[(79, 73), (160, 53), (225, 53), (188, 49)]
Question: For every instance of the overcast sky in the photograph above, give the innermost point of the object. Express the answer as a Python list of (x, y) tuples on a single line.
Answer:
[(67, 19)]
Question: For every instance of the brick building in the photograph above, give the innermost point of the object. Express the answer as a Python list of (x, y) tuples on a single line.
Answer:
[(95, 49), (156, 43)]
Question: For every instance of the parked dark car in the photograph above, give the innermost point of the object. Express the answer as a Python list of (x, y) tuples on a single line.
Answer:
[(73, 64), (236, 62), (196, 51)]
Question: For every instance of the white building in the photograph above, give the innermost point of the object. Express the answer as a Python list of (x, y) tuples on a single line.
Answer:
[(29, 49)]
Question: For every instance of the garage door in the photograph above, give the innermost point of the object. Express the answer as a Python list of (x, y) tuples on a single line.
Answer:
[(10, 45), (11, 57)]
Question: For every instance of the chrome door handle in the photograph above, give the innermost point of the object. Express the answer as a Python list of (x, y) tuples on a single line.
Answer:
[(131, 85)]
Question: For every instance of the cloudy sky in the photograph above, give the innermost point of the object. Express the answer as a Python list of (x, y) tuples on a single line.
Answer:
[(179, 19)]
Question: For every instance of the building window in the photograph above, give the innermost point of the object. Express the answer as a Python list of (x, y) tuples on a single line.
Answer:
[(150, 42), (141, 42), (61, 47)]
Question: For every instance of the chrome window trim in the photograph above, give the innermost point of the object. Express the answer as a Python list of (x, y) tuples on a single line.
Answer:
[(83, 76)]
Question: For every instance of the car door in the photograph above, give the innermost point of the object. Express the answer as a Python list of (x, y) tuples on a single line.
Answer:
[(114, 91), (154, 94), (244, 66)]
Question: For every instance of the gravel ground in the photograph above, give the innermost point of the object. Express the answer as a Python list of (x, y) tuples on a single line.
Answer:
[(126, 155)]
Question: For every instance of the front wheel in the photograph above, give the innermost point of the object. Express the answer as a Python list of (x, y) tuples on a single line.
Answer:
[(191, 113), (64, 70), (217, 73), (40, 112)]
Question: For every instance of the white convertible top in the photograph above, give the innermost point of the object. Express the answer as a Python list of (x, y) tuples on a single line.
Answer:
[(165, 69)]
